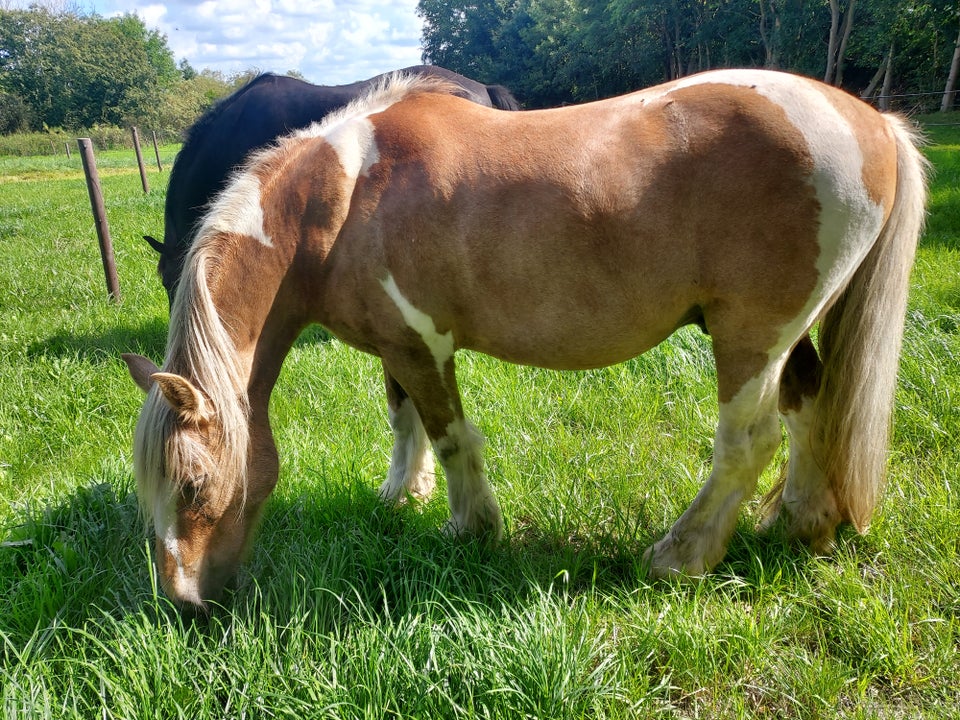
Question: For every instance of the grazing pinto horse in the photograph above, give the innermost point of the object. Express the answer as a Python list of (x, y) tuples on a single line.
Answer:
[(258, 113), (414, 223)]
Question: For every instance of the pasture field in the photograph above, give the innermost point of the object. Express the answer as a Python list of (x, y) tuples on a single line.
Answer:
[(347, 609)]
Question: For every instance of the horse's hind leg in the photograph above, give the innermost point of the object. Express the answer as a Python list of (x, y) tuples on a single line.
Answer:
[(412, 467), (804, 496), (747, 436)]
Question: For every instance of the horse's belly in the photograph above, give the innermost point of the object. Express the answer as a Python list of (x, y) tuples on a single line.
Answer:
[(565, 338)]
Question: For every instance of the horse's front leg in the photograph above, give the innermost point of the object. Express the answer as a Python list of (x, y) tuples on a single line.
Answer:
[(412, 469), (429, 383), (474, 509)]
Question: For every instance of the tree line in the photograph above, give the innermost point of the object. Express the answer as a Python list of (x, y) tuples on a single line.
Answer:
[(59, 69), (554, 51)]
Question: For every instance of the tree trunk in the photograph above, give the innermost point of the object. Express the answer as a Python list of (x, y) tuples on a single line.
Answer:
[(949, 92), (832, 45), (770, 33), (847, 27), (677, 47), (887, 82), (668, 52), (875, 80)]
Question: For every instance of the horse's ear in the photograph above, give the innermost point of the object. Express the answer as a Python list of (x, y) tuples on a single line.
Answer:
[(154, 243), (185, 400), (141, 370)]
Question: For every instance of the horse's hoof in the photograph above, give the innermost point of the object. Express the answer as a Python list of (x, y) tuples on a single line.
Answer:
[(813, 523), (670, 558), (488, 531), (416, 492)]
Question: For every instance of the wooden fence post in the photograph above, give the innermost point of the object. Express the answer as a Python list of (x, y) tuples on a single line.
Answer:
[(156, 150), (143, 170), (99, 217)]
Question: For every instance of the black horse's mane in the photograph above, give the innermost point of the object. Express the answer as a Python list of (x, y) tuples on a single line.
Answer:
[(200, 127), (196, 133)]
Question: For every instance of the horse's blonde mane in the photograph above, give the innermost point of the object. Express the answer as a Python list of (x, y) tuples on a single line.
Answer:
[(200, 349), (389, 89), (237, 206)]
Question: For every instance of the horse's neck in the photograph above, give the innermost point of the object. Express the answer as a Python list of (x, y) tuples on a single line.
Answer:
[(246, 288)]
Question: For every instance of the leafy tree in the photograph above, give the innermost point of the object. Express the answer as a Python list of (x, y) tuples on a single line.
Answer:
[(464, 35), (554, 51), (76, 72), (29, 53), (14, 114), (159, 57), (186, 70)]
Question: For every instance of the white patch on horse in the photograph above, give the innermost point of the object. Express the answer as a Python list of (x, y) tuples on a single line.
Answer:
[(473, 507), (165, 523), (748, 434), (356, 146), (806, 498), (440, 344), (349, 130), (849, 220), (238, 210)]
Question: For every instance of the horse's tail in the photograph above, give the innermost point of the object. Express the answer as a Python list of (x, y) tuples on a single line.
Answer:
[(502, 98), (860, 340)]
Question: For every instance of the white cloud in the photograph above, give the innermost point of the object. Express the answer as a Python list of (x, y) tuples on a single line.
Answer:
[(152, 14), (330, 41), (305, 8)]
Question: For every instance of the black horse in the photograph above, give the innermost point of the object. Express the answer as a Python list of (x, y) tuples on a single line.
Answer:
[(264, 109)]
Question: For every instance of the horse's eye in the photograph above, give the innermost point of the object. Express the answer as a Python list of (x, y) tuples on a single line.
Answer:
[(191, 487)]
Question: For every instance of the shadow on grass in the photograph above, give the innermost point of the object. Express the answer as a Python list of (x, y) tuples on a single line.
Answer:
[(62, 564), (337, 556), (148, 339)]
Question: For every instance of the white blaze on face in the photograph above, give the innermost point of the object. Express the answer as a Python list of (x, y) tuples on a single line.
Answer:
[(440, 344), (165, 526)]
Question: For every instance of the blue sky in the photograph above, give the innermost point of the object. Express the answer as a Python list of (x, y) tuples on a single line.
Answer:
[(330, 41)]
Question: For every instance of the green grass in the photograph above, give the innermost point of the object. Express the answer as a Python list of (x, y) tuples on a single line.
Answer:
[(348, 609)]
